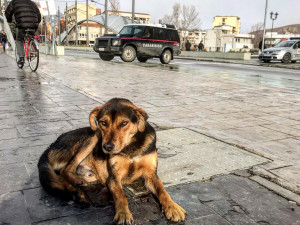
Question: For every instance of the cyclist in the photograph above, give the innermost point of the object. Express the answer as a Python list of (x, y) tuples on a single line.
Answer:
[(27, 16)]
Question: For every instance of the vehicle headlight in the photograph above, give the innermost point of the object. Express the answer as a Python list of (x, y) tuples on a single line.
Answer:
[(116, 42), (276, 52)]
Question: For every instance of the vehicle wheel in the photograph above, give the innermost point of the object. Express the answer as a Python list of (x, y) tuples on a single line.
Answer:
[(166, 57), (293, 61), (33, 56), (129, 54), (106, 57), (266, 60), (142, 59), (286, 58), (20, 65)]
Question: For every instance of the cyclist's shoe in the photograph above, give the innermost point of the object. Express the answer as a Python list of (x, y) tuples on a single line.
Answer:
[(21, 60)]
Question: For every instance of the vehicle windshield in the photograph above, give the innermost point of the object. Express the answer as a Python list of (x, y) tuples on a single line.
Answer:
[(285, 44), (131, 31)]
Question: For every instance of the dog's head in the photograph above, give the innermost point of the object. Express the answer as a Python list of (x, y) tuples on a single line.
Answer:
[(118, 120)]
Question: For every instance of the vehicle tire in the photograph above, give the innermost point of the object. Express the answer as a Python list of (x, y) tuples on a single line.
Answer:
[(286, 58), (266, 60), (142, 59), (33, 56), (129, 54), (20, 65), (106, 57), (166, 57), (294, 61)]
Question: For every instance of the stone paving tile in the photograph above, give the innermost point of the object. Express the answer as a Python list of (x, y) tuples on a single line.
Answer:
[(280, 120), (36, 129), (186, 156), (32, 170), (21, 155), (8, 133), (42, 207), (290, 174), (39, 117), (15, 176), (283, 129), (256, 134), (27, 142), (13, 209)]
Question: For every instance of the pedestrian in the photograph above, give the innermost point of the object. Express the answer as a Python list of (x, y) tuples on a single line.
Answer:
[(201, 46), (188, 45), (27, 16), (3, 39), (260, 47)]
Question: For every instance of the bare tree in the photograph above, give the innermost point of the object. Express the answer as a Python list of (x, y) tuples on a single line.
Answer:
[(114, 5), (257, 31), (184, 18), (190, 18), (176, 14)]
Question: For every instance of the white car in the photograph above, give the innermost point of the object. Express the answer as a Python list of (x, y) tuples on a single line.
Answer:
[(285, 51)]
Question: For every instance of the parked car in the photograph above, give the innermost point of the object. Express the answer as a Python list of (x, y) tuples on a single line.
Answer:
[(143, 41), (286, 51)]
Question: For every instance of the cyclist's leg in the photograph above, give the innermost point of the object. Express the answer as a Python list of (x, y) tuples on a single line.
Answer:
[(19, 43)]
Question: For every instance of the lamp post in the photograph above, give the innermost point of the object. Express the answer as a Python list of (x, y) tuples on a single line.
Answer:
[(273, 18), (264, 32)]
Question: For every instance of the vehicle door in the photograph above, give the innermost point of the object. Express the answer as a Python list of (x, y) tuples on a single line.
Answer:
[(146, 42), (296, 51), (160, 40)]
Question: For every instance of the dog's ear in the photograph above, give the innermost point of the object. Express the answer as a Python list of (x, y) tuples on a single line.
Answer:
[(93, 117), (142, 118)]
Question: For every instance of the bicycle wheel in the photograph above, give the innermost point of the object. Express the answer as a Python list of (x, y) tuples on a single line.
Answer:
[(33, 56), (20, 65)]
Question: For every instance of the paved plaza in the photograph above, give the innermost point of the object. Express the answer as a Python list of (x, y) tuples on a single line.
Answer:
[(219, 133)]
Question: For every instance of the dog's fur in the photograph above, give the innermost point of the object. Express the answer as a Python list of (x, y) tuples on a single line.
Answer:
[(118, 148)]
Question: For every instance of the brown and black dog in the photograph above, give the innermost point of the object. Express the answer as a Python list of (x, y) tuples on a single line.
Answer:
[(118, 148)]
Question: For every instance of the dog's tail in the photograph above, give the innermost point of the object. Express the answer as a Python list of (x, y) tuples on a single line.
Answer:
[(50, 181)]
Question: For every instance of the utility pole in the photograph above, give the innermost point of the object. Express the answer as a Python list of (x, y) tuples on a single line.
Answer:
[(58, 21), (76, 28), (263, 40), (87, 23), (105, 17), (1, 8), (67, 28), (133, 7)]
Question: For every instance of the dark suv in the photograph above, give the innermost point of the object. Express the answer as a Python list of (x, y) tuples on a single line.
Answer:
[(141, 41)]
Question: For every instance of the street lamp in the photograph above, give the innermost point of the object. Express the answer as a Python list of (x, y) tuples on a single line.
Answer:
[(273, 18)]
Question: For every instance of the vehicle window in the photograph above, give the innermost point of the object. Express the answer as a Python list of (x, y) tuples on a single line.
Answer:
[(131, 31), (173, 35), (285, 44), (155, 33), (162, 34)]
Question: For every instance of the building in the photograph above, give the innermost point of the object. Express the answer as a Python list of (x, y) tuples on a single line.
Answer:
[(94, 29), (217, 41), (273, 38), (232, 23), (142, 18), (194, 37)]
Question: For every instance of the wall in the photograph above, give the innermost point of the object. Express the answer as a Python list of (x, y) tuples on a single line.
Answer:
[(218, 55)]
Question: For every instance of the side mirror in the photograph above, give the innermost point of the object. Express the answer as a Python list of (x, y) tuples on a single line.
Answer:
[(295, 46)]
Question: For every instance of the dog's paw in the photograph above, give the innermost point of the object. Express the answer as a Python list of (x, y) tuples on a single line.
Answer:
[(80, 199), (174, 212), (123, 217), (79, 182)]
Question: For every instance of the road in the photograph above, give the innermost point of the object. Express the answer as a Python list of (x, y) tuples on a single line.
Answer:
[(268, 75)]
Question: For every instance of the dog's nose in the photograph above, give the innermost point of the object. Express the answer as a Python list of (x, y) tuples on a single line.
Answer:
[(108, 146)]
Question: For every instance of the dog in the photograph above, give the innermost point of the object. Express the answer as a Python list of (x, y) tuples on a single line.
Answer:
[(118, 148)]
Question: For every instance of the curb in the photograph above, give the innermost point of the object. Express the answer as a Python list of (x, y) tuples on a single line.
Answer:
[(277, 189)]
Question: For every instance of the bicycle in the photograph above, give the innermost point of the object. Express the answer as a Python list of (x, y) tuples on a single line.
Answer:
[(31, 49)]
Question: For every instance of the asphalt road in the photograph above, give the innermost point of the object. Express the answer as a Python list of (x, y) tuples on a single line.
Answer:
[(279, 77)]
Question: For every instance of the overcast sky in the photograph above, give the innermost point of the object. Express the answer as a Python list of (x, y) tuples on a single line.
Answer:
[(250, 11)]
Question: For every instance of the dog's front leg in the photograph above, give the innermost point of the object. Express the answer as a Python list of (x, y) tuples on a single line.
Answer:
[(123, 214), (172, 210)]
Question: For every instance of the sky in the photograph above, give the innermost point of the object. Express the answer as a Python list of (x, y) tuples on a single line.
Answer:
[(250, 11)]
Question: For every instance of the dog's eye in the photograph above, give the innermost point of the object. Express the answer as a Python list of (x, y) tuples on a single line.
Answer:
[(123, 124), (103, 123)]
